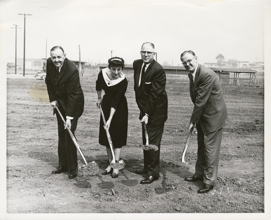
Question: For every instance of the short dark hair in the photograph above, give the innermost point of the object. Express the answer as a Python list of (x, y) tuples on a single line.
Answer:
[(187, 51), (116, 62), (57, 47)]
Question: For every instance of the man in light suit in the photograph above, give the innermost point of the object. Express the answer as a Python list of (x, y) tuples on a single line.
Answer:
[(208, 116), (64, 90), (151, 98)]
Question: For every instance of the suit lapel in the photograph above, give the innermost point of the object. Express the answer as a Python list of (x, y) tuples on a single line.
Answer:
[(197, 75), (194, 83)]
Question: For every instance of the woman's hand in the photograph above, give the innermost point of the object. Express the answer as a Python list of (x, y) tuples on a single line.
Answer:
[(99, 101), (107, 124)]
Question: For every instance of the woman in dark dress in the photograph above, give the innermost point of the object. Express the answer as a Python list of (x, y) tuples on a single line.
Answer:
[(114, 105)]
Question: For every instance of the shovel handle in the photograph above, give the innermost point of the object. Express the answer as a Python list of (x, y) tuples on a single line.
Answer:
[(72, 137), (108, 136), (146, 133), (186, 146)]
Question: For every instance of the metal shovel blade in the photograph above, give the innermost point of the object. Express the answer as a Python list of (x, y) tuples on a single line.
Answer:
[(89, 170)]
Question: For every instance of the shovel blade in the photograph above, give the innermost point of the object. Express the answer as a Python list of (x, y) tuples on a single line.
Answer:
[(90, 170)]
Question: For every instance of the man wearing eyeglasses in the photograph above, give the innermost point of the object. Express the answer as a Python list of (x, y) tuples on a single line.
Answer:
[(151, 98), (208, 116)]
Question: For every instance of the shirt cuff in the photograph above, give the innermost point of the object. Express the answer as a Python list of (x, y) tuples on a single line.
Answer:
[(68, 117)]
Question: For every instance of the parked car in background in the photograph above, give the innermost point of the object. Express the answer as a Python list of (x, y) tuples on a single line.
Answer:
[(40, 75)]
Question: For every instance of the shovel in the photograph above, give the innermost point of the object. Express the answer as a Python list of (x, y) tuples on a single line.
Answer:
[(93, 167), (185, 148), (148, 146), (113, 163)]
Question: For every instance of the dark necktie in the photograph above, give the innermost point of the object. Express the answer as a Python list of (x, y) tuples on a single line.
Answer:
[(57, 74), (141, 75), (143, 69)]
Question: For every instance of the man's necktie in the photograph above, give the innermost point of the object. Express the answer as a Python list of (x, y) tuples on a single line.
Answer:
[(57, 74), (141, 74)]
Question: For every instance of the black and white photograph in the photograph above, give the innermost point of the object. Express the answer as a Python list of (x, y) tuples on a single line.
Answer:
[(135, 109)]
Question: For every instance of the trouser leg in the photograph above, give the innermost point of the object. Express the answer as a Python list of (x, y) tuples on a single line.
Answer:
[(152, 158), (66, 149), (200, 164), (212, 143), (71, 148), (62, 155)]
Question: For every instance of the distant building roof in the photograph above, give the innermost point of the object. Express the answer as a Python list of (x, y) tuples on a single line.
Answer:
[(232, 70), (216, 69)]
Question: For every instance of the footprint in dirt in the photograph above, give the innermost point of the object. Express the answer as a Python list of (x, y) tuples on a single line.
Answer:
[(165, 187), (105, 185), (128, 182), (83, 184)]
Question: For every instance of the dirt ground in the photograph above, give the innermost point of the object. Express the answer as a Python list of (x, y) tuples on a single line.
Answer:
[(32, 155)]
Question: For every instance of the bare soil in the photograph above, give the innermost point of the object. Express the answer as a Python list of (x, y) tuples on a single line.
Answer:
[(32, 155)]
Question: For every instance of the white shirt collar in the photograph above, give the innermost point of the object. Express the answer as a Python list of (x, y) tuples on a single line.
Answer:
[(110, 82)]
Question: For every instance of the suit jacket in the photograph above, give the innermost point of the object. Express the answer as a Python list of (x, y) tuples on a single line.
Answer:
[(151, 96), (209, 105), (66, 89)]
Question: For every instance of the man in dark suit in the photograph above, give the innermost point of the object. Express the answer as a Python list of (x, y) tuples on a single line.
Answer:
[(151, 98), (64, 90), (208, 116)]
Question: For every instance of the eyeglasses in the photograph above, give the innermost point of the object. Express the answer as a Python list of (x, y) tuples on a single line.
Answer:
[(146, 52), (188, 61)]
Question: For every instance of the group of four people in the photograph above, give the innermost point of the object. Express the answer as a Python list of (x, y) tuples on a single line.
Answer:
[(208, 116)]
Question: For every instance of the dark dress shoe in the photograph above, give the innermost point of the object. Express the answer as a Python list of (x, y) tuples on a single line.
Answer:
[(72, 176), (142, 171), (193, 179), (114, 175), (206, 188), (149, 180), (59, 170)]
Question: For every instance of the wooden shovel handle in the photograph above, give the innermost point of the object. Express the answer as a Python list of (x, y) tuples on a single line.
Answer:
[(186, 146), (146, 133), (108, 136)]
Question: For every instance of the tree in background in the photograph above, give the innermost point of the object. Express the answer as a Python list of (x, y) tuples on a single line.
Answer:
[(220, 58), (233, 62)]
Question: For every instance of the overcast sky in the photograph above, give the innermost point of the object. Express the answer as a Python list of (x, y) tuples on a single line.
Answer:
[(209, 27)]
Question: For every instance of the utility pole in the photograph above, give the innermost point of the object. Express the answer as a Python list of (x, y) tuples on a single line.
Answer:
[(16, 26), (111, 52), (46, 50), (24, 42)]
